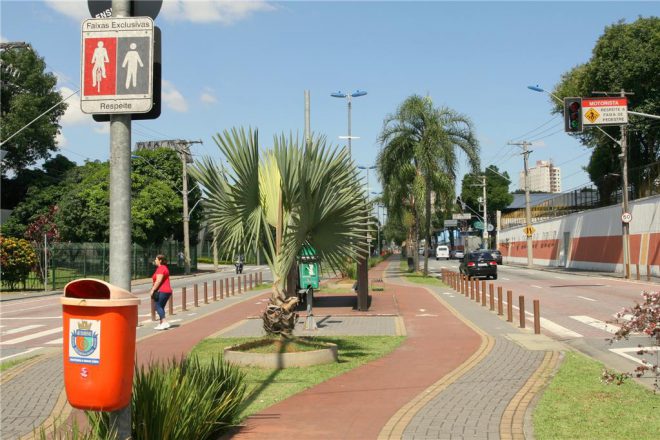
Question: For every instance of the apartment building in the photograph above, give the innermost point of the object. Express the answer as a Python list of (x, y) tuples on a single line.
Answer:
[(544, 177)]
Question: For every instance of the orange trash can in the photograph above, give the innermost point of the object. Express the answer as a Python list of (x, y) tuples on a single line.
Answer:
[(99, 323)]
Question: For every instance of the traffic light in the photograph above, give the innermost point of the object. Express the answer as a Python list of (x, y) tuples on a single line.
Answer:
[(573, 115)]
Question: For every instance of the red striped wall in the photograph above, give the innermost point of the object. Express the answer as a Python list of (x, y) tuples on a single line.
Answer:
[(606, 249)]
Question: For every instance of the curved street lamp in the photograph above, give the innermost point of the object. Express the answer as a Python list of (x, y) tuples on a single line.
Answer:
[(349, 97)]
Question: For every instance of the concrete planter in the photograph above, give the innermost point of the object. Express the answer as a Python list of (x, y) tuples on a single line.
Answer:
[(238, 356)]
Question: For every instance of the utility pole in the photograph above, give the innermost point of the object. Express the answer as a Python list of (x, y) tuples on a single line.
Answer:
[(183, 148), (528, 209), (623, 143), (120, 215), (308, 134)]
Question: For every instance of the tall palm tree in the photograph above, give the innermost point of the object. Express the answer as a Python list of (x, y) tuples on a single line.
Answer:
[(278, 201), (427, 137)]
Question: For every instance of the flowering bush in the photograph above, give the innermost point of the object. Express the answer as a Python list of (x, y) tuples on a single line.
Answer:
[(645, 319), (17, 258)]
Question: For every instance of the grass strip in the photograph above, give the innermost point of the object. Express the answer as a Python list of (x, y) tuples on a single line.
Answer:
[(577, 405), (6, 365), (267, 387)]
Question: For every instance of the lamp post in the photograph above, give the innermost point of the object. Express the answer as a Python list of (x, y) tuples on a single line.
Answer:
[(367, 168), (349, 96), (363, 265), (624, 177)]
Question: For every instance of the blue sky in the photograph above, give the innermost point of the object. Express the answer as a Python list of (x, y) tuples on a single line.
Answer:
[(229, 64)]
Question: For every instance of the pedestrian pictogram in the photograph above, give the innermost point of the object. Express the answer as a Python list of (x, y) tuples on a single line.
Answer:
[(117, 65), (604, 111), (592, 115)]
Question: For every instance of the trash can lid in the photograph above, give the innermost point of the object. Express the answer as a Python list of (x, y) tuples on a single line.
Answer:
[(96, 293)]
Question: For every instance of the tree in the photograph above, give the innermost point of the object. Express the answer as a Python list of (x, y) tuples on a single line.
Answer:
[(497, 191), (288, 198), (429, 137), (28, 91), (625, 57), (53, 171), (17, 258), (83, 204)]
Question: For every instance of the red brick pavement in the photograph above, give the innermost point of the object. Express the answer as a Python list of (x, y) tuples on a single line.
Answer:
[(357, 404)]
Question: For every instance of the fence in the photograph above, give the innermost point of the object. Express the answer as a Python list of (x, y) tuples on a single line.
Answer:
[(70, 261), (645, 183)]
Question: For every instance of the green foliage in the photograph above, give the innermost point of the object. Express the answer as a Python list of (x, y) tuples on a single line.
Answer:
[(626, 57), (27, 91), (497, 190), (17, 258), (576, 405), (419, 157), (183, 399), (323, 203), (81, 195), (267, 387), (52, 172)]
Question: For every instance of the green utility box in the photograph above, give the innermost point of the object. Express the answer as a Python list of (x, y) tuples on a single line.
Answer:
[(308, 268)]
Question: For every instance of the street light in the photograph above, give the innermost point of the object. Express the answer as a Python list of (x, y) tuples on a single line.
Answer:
[(349, 96), (367, 168), (624, 178)]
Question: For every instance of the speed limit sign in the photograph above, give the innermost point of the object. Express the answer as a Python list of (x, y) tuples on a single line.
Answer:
[(626, 217)]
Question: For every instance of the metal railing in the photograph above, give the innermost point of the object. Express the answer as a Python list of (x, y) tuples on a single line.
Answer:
[(646, 183), (70, 261)]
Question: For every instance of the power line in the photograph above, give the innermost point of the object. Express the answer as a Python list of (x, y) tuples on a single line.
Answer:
[(533, 130)]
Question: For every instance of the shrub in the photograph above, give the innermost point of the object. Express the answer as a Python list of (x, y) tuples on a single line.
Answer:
[(182, 400), (17, 258), (645, 319)]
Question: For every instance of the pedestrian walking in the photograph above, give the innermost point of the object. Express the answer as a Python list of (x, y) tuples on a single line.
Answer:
[(161, 291)]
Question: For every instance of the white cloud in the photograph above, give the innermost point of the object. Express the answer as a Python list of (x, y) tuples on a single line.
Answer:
[(3, 39), (76, 9), (73, 115), (208, 97), (226, 12), (172, 98), (102, 127)]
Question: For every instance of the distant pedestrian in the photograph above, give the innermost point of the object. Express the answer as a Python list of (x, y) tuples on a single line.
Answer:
[(161, 291), (181, 258)]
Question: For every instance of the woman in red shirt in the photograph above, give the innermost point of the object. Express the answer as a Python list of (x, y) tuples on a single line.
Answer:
[(161, 279)]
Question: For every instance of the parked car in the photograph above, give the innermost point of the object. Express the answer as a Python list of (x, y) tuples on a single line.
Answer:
[(497, 255), (456, 254), (479, 264), (442, 252)]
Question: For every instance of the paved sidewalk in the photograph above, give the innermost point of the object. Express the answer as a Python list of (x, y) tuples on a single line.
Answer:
[(450, 379)]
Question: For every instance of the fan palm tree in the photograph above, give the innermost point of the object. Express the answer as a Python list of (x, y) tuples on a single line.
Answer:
[(278, 201), (427, 137)]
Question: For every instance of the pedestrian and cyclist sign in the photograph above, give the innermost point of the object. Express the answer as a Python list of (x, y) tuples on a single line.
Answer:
[(117, 65)]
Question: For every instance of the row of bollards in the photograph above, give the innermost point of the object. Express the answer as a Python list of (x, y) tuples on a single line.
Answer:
[(220, 289), (648, 272), (476, 291)]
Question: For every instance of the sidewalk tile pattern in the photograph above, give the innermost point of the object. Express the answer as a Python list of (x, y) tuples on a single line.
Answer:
[(22, 411), (472, 407)]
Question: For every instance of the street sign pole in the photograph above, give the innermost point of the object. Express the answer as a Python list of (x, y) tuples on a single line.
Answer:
[(120, 215), (624, 176)]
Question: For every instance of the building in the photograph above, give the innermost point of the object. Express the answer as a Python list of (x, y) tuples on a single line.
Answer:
[(544, 177)]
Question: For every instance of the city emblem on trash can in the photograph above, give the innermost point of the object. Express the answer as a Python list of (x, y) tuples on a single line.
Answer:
[(85, 341)]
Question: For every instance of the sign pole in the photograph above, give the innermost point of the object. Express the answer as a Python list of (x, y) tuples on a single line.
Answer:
[(624, 176), (120, 215)]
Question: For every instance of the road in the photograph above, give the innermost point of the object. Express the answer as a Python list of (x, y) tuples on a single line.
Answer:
[(577, 309), (31, 325)]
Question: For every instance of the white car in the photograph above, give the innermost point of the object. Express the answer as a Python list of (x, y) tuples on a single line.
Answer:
[(442, 252)]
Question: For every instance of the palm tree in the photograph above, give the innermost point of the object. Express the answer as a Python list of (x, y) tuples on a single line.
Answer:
[(427, 137), (288, 197)]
